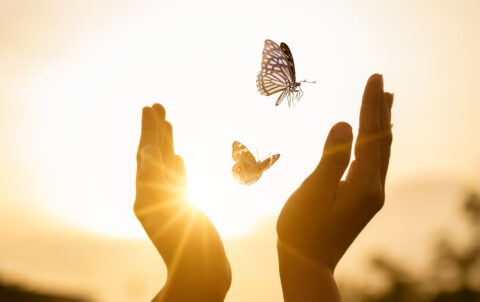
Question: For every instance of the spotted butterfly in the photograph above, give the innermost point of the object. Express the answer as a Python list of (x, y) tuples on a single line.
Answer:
[(278, 73), (247, 170)]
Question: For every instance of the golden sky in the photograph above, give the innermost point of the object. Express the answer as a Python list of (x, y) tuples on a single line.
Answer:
[(75, 75)]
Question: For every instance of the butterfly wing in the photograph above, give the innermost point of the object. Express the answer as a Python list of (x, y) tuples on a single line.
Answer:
[(275, 75), (246, 173), (282, 97), (286, 50), (240, 153), (268, 162), (246, 169)]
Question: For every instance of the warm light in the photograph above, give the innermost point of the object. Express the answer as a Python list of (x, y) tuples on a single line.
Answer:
[(216, 198), (90, 113)]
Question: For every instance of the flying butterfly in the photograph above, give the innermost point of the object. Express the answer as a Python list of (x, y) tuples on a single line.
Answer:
[(247, 170), (278, 73)]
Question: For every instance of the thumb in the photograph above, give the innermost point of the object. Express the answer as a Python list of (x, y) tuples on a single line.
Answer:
[(335, 158)]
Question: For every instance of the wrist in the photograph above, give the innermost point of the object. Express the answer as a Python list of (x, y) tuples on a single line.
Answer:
[(195, 283), (306, 274), (172, 292), (309, 254)]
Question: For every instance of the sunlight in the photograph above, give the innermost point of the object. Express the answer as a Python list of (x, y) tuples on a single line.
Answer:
[(76, 75), (217, 204), (96, 115)]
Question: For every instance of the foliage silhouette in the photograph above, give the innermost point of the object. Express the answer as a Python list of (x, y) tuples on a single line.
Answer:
[(454, 272)]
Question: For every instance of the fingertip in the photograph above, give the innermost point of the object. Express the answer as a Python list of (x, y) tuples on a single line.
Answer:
[(342, 131), (373, 89), (339, 143), (149, 120), (335, 157), (375, 79), (373, 97), (160, 110)]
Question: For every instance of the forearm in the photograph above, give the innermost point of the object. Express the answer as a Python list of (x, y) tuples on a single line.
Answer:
[(196, 275), (172, 292), (304, 279), (197, 270), (191, 282)]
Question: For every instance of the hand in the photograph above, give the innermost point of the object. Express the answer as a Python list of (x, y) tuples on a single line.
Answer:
[(324, 215), (198, 268)]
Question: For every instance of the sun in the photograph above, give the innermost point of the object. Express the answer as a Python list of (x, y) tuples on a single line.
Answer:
[(223, 208)]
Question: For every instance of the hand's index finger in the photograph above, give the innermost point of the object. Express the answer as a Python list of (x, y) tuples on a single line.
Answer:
[(160, 113), (160, 110), (168, 148), (368, 146), (149, 134)]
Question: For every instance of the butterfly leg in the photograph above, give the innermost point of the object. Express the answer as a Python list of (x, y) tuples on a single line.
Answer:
[(290, 98), (298, 95)]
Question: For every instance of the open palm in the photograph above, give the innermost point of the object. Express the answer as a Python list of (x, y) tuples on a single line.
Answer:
[(324, 215), (198, 269)]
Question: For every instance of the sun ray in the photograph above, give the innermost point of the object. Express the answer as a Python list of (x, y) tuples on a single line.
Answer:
[(167, 224), (181, 246)]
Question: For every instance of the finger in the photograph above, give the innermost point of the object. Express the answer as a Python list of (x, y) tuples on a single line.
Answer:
[(389, 100), (180, 166), (387, 136), (335, 158), (168, 150), (372, 95), (160, 110), (368, 145), (150, 184), (383, 114), (148, 134)]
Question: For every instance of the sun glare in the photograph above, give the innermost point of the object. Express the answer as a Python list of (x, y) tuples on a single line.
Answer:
[(94, 167), (223, 209)]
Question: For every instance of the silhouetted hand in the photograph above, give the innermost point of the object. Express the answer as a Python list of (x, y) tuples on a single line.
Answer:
[(198, 269), (324, 215)]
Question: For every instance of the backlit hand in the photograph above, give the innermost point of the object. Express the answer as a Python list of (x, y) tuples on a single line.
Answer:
[(198, 269), (324, 215)]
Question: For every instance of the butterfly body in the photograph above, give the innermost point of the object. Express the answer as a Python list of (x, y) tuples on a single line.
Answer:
[(278, 73), (247, 170)]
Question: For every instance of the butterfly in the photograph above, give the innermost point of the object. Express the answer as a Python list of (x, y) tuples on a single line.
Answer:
[(278, 73), (247, 170)]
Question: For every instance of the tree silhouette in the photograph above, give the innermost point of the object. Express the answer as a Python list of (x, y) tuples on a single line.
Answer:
[(454, 273)]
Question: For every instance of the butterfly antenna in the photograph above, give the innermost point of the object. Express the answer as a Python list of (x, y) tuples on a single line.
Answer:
[(310, 82)]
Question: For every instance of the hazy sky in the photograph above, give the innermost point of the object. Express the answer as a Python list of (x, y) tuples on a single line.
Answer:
[(75, 75)]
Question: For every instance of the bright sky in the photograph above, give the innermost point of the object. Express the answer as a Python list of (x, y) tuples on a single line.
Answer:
[(75, 76)]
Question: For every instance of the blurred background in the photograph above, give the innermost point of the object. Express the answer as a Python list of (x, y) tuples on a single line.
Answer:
[(74, 78)]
